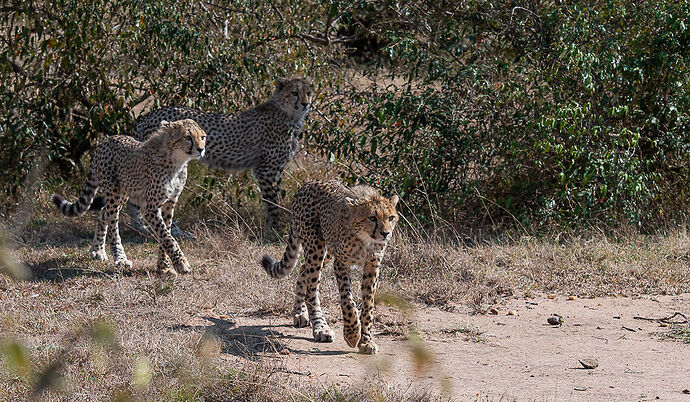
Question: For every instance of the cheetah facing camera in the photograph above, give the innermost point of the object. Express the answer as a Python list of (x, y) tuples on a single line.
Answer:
[(263, 138), (353, 225), (153, 174)]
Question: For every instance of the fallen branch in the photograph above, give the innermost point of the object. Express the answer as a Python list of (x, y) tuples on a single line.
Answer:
[(666, 320)]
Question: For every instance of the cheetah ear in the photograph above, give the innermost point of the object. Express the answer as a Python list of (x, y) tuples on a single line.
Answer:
[(165, 123), (394, 200), (280, 83)]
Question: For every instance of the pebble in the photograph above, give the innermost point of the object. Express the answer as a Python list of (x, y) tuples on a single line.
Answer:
[(554, 320), (589, 363)]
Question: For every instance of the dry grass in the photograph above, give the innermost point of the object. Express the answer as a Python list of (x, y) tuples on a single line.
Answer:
[(678, 333), (179, 339)]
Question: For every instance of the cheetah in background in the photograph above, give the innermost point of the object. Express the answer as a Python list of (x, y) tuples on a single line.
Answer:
[(353, 225), (263, 138), (152, 174)]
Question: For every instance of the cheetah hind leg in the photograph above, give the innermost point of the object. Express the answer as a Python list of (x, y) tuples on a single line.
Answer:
[(178, 233), (98, 246), (300, 315), (134, 212), (165, 267), (98, 254), (323, 333), (145, 230)]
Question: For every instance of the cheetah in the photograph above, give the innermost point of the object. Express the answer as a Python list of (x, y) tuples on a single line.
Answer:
[(152, 174), (264, 138), (353, 225)]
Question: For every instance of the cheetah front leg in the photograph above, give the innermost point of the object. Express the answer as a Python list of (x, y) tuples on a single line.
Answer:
[(113, 207), (351, 324), (167, 243), (164, 265), (369, 277), (307, 294)]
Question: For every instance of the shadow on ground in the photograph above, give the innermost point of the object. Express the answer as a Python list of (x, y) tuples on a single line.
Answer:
[(60, 269), (251, 342)]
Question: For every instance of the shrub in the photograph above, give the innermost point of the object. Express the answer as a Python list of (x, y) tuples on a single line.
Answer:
[(74, 70), (480, 111), (545, 111)]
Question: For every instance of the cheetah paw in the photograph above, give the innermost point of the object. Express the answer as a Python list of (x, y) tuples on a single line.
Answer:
[(300, 320), (183, 267), (168, 273), (99, 255), (123, 264), (368, 348), (323, 334)]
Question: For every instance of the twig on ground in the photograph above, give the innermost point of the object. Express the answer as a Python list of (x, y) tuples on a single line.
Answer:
[(666, 320), (284, 370)]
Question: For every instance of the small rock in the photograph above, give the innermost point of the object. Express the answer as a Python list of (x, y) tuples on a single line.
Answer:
[(550, 296), (284, 352), (493, 311), (589, 363), (555, 320), (663, 324), (572, 297), (686, 391), (512, 312)]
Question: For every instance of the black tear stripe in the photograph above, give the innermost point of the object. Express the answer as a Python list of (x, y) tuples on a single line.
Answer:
[(376, 225)]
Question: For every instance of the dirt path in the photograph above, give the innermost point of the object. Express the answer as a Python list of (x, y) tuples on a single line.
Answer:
[(505, 357)]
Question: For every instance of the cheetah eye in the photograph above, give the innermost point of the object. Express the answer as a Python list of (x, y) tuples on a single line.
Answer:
[(188, 138), (372, 218), (391, 218), (309, 94), (295, 94)]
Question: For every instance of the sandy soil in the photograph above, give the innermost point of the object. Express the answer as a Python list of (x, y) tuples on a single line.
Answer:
[(493, 357)]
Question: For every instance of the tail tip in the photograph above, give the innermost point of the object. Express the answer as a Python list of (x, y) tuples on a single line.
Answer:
[(57, 199)]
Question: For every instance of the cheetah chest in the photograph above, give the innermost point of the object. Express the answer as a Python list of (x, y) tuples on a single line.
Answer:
[(173, 187)]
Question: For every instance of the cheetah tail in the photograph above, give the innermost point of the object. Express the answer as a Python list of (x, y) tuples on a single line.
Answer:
[(76, 209), (278, 269)]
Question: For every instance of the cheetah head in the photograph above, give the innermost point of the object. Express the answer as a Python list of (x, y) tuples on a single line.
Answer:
[(185, 139), (294, 95), (373, 218)]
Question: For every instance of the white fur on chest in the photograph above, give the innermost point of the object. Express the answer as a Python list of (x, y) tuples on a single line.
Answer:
[(174, 186)]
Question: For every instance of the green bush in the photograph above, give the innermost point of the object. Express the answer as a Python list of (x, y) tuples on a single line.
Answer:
[(73, 70), (546, 111), (479, 111)]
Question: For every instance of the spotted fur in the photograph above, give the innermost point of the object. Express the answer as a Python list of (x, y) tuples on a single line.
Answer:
[(152, 174), (263, 138), (353, 225)]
